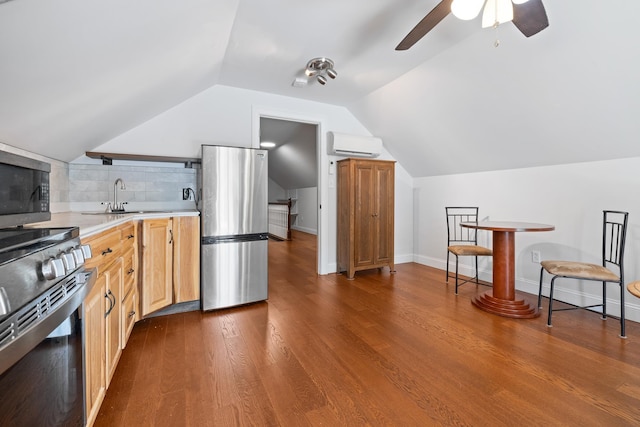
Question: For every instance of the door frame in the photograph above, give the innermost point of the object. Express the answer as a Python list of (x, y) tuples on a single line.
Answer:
[(258, 112)]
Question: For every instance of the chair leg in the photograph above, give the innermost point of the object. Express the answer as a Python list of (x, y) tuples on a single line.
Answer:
[(540, 289), (622, 329), (551, 301), (456, 274), (604, 300), (476, 269), (447, 266)]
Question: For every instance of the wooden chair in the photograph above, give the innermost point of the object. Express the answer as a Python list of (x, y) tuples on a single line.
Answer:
[(463, 241), (614, 231)]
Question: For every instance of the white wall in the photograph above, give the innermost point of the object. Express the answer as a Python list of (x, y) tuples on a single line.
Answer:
[(307, 209), (230, 116), (276, 192), (571, 197)]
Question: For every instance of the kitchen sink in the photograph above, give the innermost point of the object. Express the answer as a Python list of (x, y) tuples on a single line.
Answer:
[(125, 212)]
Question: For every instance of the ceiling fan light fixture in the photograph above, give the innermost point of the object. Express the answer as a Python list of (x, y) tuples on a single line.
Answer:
[(332, 73), (497, 12), (322, 79), (466, 9)]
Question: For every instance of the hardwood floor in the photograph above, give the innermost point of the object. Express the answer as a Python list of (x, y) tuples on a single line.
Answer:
[(395, 350)]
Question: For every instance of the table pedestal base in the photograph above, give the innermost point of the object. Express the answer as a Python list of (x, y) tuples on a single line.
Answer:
[(518, 308)]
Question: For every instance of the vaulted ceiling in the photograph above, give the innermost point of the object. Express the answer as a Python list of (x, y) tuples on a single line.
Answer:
[(77, 73)]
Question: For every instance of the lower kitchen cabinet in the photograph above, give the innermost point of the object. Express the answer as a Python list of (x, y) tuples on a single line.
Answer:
[(186, 259), (132, 281), (170, 262), (94, 309), (157, 267), (113, 317), (103, 310)]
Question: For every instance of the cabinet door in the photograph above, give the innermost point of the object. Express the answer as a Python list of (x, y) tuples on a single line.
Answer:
[(186, 259), (383, 214), (157, 265), (115, 286), (94, 348), (365, 221)]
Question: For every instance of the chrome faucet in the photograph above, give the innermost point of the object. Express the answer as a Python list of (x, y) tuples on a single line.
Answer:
[(116, 207)]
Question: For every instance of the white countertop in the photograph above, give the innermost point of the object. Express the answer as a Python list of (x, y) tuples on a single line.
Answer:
[(93, 223)]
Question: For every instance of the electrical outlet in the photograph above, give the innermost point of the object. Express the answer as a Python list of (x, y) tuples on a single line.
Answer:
[(185, 194), (535, 256)]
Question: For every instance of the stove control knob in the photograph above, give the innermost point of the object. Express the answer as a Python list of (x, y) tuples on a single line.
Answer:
[(68, 261), (86, 251), (78, 256), (52, 268)]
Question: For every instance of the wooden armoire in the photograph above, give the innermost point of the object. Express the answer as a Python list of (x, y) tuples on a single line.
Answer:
[(365, 215)]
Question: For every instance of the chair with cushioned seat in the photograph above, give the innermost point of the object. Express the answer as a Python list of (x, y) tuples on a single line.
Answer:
[(463, 241), (614, 231)]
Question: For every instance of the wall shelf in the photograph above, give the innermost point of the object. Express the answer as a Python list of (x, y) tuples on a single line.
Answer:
[(108, 158)]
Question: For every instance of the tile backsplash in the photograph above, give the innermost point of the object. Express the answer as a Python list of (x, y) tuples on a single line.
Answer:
[(92, 186)]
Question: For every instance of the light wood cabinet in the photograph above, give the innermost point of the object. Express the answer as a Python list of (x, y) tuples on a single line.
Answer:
[(130, 271), (106, 325), (365, 215), (157, 267), (186, 259), (115, 284), (170, 262), (94, 342)]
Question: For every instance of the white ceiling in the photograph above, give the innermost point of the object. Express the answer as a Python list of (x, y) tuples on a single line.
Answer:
[(76, 73)]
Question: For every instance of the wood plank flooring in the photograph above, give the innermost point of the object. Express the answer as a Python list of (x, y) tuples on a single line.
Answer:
[(383, 349)]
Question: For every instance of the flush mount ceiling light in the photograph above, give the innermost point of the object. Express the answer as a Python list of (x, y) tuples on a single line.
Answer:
[(267, 144), (320, 68)]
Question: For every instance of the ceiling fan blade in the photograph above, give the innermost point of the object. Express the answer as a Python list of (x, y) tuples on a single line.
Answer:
[(432, 19), (530, 17)]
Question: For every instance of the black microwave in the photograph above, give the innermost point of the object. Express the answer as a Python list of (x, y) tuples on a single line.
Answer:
[(24, 190)]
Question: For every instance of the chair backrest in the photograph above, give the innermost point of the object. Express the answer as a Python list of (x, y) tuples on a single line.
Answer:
[(457, 234), (614, 235)]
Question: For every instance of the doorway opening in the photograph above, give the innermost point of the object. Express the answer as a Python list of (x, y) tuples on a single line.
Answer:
[(293, 175)]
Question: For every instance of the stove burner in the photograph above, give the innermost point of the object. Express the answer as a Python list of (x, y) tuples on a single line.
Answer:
[(18, 242)]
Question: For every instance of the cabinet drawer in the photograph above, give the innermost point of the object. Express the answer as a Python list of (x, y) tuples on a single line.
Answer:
[(130, 270), (105, 248), (128, 316), (128, 235)]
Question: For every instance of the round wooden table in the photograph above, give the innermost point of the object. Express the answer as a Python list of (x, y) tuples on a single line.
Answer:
[(503, 299)]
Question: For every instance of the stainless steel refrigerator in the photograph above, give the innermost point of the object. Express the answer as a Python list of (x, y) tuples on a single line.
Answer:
[(234, 237)]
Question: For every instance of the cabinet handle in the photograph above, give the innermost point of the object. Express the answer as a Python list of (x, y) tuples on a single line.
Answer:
[(132, 313), (107, 251), (170, 236), (111, 303), (130, 236), (130, 271)]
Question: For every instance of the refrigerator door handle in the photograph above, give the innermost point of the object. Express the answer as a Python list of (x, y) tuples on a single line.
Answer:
[(212, 240)]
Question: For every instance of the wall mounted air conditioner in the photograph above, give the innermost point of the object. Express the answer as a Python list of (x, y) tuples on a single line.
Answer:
[(342, 144)]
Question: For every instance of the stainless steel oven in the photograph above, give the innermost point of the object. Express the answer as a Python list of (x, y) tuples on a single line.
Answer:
[(43, 283)]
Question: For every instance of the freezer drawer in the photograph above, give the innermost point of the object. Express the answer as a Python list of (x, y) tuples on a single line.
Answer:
[(234, 273)]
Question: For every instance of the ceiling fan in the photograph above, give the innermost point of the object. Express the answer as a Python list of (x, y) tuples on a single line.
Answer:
[(529, 16)]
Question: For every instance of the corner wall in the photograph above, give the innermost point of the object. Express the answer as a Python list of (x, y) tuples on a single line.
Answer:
[(571, 197)]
